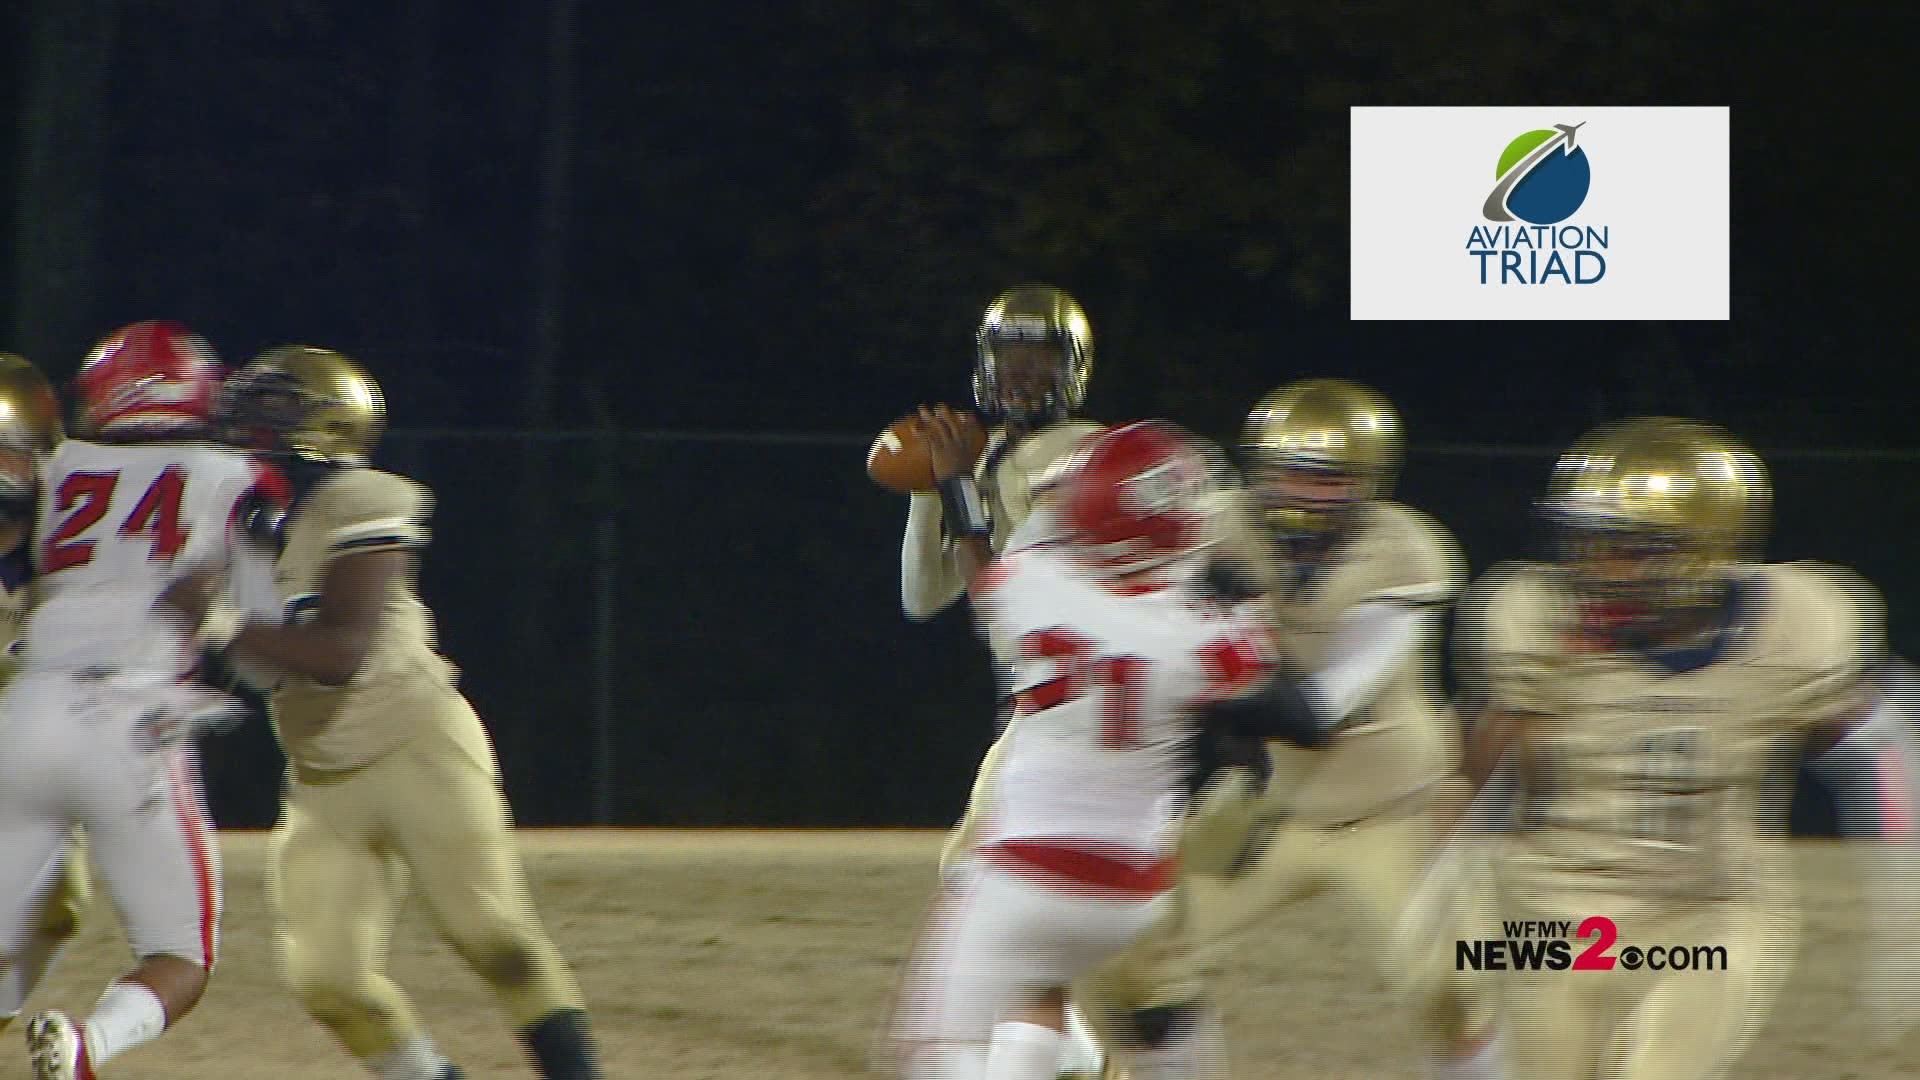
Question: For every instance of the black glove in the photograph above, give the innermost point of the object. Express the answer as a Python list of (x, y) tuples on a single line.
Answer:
[(1215, 749), (1278, 710)]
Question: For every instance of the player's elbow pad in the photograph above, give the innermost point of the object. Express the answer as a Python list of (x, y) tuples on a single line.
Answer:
[(1278, 710)]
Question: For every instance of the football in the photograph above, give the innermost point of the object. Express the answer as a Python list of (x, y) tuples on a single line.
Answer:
[(898, 459)]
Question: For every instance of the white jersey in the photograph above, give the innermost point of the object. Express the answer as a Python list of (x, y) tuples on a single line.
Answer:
[(1108, 680), (118, 523)]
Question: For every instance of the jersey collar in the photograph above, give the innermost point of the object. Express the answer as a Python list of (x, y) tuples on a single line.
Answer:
[(1730, 625)]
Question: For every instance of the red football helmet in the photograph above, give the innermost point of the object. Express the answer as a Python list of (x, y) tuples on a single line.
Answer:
[(152, 377), (1133, 497)]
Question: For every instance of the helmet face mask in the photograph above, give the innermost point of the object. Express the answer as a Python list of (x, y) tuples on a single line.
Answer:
[(1034, 354), (1302, 499), (264, 406), (1628, 580), (1316, 451), (311, 402)]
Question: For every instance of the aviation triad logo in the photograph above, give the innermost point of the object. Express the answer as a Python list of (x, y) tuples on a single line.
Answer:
[(1543, 178)]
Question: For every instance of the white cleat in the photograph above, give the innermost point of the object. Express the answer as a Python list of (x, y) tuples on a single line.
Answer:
[(56, 1048)]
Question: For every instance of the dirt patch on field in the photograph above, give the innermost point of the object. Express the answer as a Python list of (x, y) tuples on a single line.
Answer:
[(741, 953)]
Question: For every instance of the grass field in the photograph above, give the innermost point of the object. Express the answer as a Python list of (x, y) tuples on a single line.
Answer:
[(748, 954)]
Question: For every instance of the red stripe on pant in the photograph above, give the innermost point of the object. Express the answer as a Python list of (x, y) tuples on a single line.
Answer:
[(186, 806), (1086, 865)]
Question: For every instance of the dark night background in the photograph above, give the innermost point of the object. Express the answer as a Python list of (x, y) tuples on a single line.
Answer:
[(641, 280)]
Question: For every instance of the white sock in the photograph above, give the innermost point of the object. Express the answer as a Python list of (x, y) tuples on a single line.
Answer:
[(1023, 1051), (26, 968), (415, 1059), (1080, 1053), (948, 1061), (1480, 1063), (127, 1015)]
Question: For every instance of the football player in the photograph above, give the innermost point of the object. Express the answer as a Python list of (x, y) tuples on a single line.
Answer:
[(1117, 660), (1354, 585), (29, 430), (391, 774), (1643, 683), (1033, 356), (100, 720)]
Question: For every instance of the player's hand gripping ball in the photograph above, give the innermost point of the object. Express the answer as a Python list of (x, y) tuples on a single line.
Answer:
[(924, 447)]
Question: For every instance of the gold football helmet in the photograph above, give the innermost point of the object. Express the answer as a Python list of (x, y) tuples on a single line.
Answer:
[(1318, 448), (315, 402), (1007, 386), (1653, 513), (29, 409)]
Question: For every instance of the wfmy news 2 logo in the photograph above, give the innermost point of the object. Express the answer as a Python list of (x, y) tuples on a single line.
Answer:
[(1548, 946), (1542, 180)]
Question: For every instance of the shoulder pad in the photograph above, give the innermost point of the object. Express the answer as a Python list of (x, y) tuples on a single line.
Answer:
[(366, 509), (1830, 610)]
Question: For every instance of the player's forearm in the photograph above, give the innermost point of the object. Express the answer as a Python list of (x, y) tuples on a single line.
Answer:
[(929, 576), (329, 655), (1370, 642), (1488, 743)]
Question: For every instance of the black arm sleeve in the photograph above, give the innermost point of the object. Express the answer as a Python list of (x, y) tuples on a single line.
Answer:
[(1278, 710), (1215, 749)]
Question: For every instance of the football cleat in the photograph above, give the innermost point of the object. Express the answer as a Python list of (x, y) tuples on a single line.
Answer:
[(56, 1048)]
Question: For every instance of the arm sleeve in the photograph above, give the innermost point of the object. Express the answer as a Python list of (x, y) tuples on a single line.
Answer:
[(1501, 647), (1370, 639), (929, 578)]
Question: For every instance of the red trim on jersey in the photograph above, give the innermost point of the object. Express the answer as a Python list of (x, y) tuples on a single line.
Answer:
[(1084, 864), (1122, 587), (991, 577), (186, 806), (1896, 820), (1044, 696), (1234, 665), (269, 483)]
